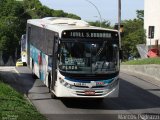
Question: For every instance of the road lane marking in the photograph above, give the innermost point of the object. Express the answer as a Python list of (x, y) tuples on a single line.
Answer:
[(17, 71)]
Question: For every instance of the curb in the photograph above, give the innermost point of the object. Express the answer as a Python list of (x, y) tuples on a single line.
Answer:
[(27, 98)]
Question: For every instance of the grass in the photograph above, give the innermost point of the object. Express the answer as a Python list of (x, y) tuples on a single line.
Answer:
[(14, 106), (143, 61)]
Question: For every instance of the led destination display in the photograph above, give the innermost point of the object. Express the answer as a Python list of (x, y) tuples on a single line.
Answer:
[(88, 34)]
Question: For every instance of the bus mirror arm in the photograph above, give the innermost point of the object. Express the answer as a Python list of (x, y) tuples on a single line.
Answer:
[(121, 54), (56, 46), (49, 70), (56, 49)]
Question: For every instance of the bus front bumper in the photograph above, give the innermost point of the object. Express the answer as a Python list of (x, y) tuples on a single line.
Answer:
[(62, 91)]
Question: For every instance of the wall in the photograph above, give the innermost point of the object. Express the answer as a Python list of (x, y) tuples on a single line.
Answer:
[(152, 18), (148, 70)]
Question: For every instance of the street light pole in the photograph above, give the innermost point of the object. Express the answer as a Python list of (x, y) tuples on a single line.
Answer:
[(100, 17), (27, 11), (119, 21)]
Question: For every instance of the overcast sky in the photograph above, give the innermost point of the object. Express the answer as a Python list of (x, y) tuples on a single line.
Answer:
[(108, 8)]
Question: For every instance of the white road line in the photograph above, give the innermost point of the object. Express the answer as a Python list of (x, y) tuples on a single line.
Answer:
[(16, 71)]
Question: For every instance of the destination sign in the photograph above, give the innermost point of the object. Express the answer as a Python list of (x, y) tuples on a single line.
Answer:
[(88, 34)]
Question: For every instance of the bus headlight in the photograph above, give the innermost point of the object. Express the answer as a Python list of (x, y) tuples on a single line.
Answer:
[(64, 83), (114, 83), (61, 80)]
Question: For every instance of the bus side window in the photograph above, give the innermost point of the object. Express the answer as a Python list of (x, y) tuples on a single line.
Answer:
[(49, 39)]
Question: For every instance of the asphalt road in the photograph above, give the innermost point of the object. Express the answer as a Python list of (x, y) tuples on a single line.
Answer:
[(139, 98)]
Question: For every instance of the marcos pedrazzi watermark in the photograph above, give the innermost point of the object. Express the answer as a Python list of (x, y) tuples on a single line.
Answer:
[(139, 117), (9, 117)]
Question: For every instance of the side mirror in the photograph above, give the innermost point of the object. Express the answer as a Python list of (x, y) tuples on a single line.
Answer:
[(56, 44)]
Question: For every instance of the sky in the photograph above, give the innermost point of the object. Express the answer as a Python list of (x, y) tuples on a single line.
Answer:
[(107, 8)]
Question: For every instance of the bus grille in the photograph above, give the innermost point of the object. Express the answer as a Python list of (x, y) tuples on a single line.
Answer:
[(88, 87), (97, 93)]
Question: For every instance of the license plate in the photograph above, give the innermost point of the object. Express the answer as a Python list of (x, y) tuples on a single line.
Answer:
[(89, 92)]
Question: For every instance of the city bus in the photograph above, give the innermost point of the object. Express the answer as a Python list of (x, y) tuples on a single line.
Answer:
[(22, 61), (74, 59), (23, 50)]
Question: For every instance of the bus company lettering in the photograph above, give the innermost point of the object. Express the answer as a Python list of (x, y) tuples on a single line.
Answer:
[(90, 35)]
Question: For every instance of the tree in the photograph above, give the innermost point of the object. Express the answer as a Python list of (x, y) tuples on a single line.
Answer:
[(104, 24), (43, 11), (140, 14), (134, 34), (14, 17)]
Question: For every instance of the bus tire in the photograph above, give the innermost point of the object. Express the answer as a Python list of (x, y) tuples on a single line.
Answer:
[(53, 96), (33, 74), (49, 83)]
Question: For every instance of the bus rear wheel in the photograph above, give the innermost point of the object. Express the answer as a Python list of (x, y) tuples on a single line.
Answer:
[(33, 73), (34, 76)]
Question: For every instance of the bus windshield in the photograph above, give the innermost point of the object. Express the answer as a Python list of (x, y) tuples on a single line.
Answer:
[(89, 57)]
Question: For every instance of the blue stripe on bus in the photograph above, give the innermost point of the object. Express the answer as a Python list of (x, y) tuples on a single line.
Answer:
[(34, 53), (85, 81)]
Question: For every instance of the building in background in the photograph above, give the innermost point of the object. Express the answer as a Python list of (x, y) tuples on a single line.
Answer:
[(152, 26)]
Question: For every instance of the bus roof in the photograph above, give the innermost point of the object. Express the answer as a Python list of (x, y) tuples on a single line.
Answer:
[(59, 24)]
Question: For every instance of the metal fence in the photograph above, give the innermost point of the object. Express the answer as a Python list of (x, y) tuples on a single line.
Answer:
[(7, 60)]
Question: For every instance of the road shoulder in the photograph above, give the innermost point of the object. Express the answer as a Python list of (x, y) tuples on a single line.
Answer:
[(143, 77)]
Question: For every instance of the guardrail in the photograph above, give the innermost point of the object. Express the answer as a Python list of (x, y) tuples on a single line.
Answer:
[(7, 60)]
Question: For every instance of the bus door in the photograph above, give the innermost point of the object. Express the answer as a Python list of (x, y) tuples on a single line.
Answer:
[(54, 61)]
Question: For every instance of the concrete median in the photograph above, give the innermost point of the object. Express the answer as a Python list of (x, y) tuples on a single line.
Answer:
[(148, 70)]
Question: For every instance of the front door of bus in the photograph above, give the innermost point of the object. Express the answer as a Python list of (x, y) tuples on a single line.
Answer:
[(54, 62)]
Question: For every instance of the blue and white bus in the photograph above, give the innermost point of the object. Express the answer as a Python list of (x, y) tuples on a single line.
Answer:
[(73, 58)]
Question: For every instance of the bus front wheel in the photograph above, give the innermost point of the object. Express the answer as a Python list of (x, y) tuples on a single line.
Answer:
[(53, 96)]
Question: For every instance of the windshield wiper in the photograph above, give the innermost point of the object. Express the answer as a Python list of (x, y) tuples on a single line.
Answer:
[(101, 49)]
